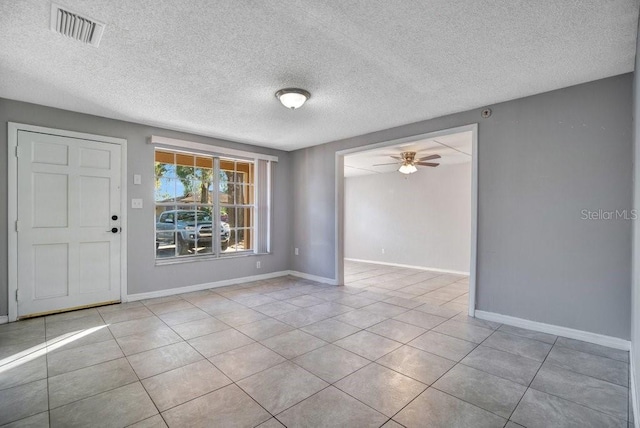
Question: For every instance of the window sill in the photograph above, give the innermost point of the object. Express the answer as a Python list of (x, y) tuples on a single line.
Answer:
[(181, 260)]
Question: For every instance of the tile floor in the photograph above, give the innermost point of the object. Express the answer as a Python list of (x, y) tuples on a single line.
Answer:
[(392, 348)]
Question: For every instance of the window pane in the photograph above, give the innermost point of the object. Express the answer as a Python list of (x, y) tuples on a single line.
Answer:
[(165, 218), (165, 244), (226, 194), (166, 190), (244, 239), (246, 193), (226, 176), (204, 162), (183, 159), (243, 217), (231, 216), (225, 236), (164, 164), (224, 216)]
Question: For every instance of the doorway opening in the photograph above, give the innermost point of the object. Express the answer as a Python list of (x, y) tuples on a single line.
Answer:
[(410, 236)]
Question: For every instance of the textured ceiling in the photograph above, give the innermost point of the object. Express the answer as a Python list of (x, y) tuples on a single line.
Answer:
[(212, 67), (453, 149)]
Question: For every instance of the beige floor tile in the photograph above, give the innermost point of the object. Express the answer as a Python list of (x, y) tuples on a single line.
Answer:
[(368, 345), (40, 420), (217, 343), (84, 356), (397, 330), (264, 329), (23, 401), (419, 365), (241, 317), (381, 388), (133, 313), (225, 407), (135, 326), (331, 363), (437, 409), (151, 339), (57, 328), (166, 307), (486, 391), (282, 386), (180, 385), (464, 331), (345, 411), (201, 327), (183, 315), (246, 361), (540, 410), (152, 422), (156, 361), (293, 343), (119, 407), (76, 385), (22, 370)]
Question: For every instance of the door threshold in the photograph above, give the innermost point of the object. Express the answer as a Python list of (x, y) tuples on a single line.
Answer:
[(75, 308)]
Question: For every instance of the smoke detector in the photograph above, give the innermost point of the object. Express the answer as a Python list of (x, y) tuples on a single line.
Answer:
[(76, 26)]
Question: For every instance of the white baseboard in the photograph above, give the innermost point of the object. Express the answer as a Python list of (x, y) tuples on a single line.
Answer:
[(457, 272), (634, 390), (205, 286), (315, 278), (585, 336), (4, 319)]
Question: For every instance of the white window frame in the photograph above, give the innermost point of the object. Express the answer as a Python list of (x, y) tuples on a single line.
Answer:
[(261, 221)]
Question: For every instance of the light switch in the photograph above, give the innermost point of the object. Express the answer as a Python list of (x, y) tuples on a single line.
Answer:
[(137, 179), (136, 203)]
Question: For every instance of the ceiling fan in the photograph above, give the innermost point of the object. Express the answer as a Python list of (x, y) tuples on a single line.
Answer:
[(409, 162)]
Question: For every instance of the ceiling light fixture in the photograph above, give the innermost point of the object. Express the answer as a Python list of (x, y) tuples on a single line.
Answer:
[(408, 163), (408, 168), (292, 98)]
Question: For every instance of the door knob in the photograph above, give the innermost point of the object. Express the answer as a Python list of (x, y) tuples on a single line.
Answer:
[(114, 217), (113, 230)]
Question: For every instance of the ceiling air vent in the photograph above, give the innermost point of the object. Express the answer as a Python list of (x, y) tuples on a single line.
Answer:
[(75, 26)]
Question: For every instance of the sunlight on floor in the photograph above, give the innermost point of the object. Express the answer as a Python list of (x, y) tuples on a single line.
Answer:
[(39, 350)]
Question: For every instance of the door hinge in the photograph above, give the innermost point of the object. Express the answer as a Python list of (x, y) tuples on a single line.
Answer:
[(17, 151), (17, 225), (16, 294)]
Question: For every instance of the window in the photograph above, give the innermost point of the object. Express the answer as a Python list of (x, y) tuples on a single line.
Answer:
[(206, 205)]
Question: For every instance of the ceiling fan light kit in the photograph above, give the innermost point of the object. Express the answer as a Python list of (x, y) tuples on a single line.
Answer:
[(407, 168), (293, 98), (409, 162)]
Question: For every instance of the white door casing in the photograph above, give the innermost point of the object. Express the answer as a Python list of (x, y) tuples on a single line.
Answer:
[(68, 200)]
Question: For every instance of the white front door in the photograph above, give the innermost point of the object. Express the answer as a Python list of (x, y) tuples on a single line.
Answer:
[(69, 219)]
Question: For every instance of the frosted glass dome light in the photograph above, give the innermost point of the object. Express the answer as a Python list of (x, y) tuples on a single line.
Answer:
[(292, 98), (408, 168)]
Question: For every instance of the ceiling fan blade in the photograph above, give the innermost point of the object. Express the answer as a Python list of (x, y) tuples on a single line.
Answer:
[(426, 158), (427, 164), (392, 163), (396, 157)]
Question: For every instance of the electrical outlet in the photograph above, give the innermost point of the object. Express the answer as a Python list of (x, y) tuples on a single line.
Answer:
[(136, 204), (297, 251), (257, 265)]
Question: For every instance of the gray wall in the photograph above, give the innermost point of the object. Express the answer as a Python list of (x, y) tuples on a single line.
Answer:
[(143, 274), (542, 160), (635, 284), (422, 219)]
